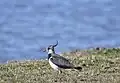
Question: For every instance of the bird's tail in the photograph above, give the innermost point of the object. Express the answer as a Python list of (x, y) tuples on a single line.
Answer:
[(78, 68)]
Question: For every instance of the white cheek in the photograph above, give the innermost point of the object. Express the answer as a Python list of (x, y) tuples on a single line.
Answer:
[(50, 51)]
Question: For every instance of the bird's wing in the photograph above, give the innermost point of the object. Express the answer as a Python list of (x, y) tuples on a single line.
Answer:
[(61, 62)]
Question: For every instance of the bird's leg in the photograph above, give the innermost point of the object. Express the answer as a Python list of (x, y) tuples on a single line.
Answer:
[(60, 71)]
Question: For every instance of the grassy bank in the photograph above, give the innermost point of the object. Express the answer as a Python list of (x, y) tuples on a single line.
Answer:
[(99, 66)]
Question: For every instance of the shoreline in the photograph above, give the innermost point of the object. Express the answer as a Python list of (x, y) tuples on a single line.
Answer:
[(64, 53)]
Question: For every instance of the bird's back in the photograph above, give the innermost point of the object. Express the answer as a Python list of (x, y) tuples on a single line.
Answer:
[(61, 61)]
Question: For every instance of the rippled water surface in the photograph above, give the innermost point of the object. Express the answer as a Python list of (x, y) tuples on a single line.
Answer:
[(28, 25)]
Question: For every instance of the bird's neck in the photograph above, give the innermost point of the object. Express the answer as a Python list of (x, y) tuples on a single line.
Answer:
[(49, 55), (50, 52)]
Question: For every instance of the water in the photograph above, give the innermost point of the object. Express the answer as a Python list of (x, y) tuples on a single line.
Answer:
[(28, 25)]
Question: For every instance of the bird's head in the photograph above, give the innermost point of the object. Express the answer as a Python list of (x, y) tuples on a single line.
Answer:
[(50, 49)]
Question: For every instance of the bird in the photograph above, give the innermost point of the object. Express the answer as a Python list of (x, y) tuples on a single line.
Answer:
[(56, 61)]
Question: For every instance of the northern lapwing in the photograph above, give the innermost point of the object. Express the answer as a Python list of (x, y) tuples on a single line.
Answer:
[(57, 61)]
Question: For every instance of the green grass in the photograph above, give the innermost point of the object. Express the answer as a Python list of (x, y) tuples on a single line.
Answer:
[(99, 66)]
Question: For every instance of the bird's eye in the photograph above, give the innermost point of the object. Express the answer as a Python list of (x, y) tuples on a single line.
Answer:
[(48, 48)]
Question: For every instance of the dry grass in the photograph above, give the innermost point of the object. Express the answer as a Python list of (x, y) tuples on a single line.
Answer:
[(99, 66)]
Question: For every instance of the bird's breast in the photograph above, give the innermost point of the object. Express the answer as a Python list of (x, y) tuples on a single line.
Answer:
[(55, 67)]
